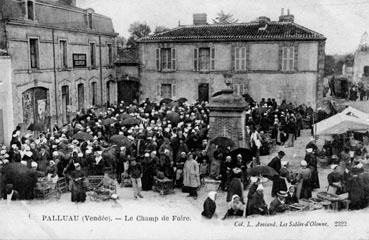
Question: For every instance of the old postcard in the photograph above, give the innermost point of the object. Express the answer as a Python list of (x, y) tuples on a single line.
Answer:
[(184, 119)]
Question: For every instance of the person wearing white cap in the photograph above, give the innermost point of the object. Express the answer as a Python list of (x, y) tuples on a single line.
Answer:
[(210, 205), (256, 203), (235, 186), (335, 181), (303, 181)]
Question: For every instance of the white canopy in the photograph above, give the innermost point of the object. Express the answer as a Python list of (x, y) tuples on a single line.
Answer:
[(350, 111), (341, 123)]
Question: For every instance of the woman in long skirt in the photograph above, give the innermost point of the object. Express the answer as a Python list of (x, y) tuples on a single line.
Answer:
[(78, 189)]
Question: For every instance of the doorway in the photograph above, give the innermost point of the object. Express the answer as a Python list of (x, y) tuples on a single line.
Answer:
[(127, 91), (65, 103), (81, 96), (203, 92), (36, 106)]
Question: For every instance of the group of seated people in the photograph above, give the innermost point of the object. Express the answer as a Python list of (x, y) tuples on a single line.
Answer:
[(255, 202)]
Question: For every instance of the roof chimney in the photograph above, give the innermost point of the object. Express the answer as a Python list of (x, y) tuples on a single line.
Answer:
[(68, 2), (286, 18), (200, 19)]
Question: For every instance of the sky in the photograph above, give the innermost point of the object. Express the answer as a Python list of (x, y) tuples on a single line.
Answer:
[(342, 22)]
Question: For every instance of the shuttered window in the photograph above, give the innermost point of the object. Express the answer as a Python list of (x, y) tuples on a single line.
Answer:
[(288, 58), (240, 59), (196, 59), (212, 59), (158, 59)]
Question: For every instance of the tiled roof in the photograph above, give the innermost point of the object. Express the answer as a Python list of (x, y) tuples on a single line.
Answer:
[(238, 31), (127, 56)]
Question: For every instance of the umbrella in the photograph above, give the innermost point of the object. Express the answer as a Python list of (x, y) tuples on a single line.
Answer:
[(166, 101), (173, 117), (260, 170), (173, 104), (182, 100), (120, 140), (107, 121), (36, 127), (223, 141), (124, 116), (130, 122), (82, 136), (245, 153), (248, 98)]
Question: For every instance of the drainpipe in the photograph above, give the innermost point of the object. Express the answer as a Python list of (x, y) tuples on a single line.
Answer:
[(55, 84), (101, 74)]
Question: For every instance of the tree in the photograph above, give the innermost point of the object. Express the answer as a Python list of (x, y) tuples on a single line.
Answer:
[(160, 29), (121, 42), (137, 30), (224, 18), (329, 66)]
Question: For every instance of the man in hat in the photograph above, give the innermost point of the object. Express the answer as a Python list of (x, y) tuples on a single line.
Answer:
[(278, 205), (276, 162)]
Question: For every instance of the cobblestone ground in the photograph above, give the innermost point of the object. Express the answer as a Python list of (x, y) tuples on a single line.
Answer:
[(44, 219)]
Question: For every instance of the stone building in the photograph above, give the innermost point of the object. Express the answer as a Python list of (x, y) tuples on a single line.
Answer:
[(62, 59), (128, 76), (361, 60), (276, 59)]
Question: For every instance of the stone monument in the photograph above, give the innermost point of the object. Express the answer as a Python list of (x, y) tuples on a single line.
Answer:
[(227, 116)]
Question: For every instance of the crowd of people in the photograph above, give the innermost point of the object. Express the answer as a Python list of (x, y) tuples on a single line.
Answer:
[(140, 143)]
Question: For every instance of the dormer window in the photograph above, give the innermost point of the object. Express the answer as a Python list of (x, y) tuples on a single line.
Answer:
[(30, 10), (89, 18)]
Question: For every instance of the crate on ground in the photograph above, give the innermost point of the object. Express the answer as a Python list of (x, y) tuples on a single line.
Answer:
[(211, 184), (93, 181), (62, 185), (163, 186)]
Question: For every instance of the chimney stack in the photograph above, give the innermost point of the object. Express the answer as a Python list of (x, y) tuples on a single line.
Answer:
[(286, 18), (200, 19)]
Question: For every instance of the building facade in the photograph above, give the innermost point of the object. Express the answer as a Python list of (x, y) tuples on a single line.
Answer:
[(276, 59), (361, 61), (128, 76), (62, 59)]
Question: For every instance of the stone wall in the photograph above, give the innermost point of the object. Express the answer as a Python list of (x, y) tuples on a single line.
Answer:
[(7, 124), (25, 78)]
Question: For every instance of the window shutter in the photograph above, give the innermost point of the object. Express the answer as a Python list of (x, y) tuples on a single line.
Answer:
[(174, 66), (174, 90), (233, 57), (296, 56), (243, 58), (158, 63), (196, 59), (236, 59), (280, 57), (212, 58), (291, 58)]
